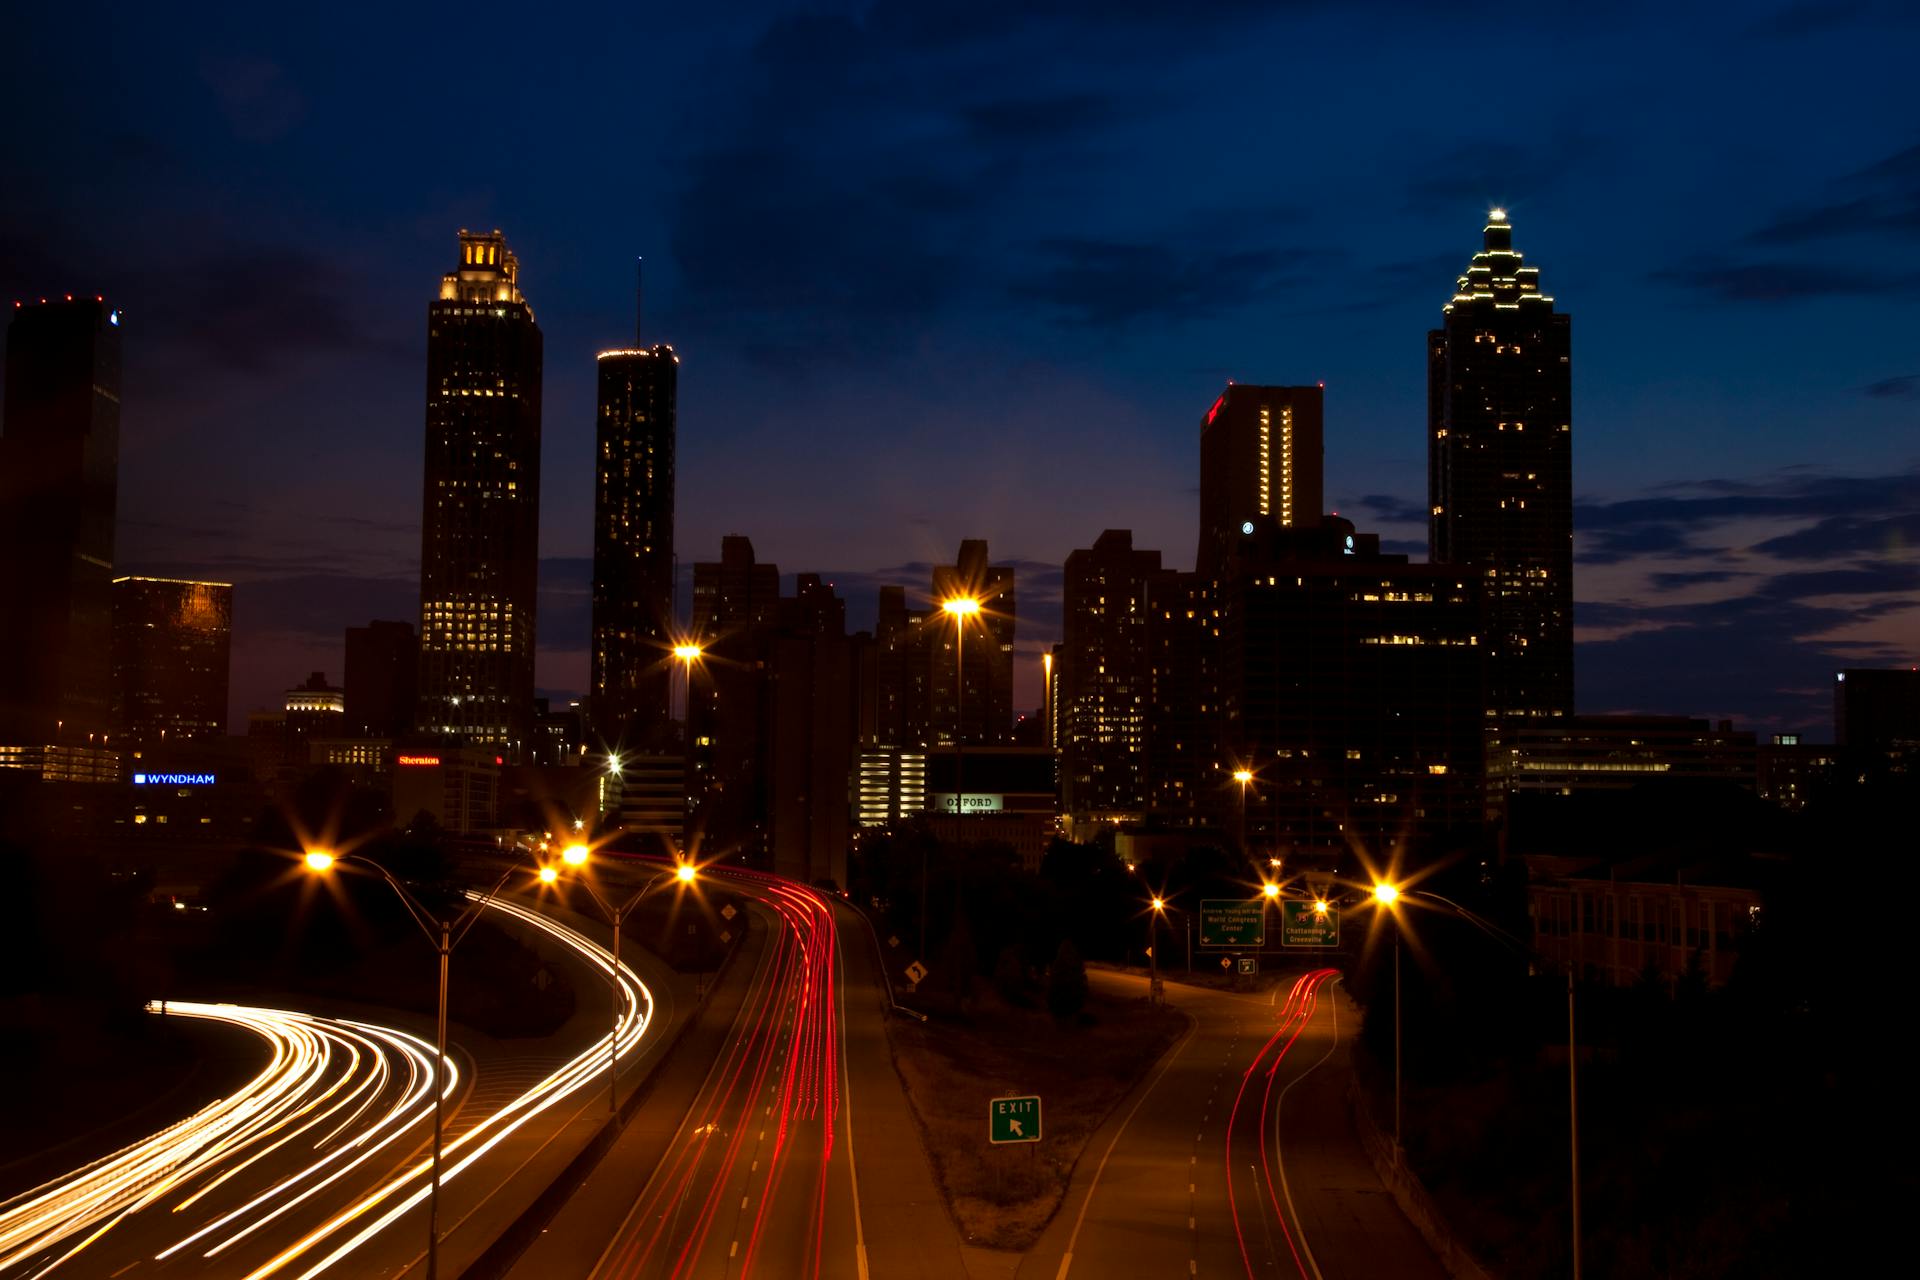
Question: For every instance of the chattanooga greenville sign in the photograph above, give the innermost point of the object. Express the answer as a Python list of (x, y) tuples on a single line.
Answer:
[(173, 779)]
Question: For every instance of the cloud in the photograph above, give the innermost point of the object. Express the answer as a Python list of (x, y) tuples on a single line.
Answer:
[(255, 94), (1390, 508), (1107, 284), (1882, 199), (1701, 578), (1612, 546), (1904, 387), (1847, 535), (1756, 281), (1786, 494)]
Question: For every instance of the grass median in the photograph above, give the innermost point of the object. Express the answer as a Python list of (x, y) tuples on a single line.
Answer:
[(1002, 1197)]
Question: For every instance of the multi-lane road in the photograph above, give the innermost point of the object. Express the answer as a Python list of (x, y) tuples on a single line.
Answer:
[(320, 1162), (775, 1140)]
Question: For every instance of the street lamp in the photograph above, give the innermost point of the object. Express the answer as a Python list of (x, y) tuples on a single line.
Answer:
[(960, 608), (445, 935), (1495, 932), (1385, 895), (688, 653), (682, 872), (1243, 777), (1153, 949)]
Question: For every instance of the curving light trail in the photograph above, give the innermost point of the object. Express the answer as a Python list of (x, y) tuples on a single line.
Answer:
[(323, 1077), (1302, 1001), (750, 1165), (334, 1098)]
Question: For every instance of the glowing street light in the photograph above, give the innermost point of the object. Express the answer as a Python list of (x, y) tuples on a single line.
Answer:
[(445, 934), (684, 873), (1271, 889), (1385, 895), (1320, 906), (959, 608), (1243, 777)]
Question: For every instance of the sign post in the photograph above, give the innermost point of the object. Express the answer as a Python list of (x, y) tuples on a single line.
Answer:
[(1302, 924), (1013, 1120), (1233, 922)]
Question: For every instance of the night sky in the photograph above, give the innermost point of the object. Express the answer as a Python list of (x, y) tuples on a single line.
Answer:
[(942, 271)]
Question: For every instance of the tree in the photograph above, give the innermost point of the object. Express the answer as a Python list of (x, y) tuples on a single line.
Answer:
[(1066, 983)]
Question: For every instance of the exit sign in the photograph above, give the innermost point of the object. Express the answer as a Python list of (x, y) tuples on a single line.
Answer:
[(1013, 1120)]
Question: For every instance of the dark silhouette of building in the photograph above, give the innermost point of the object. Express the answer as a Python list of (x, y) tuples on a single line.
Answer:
[(1351, 686), (1500, 474), (1877, 710), (896, 689), (633, 545), (984, 690), (172, 642), (59, 467), (383, 679), (1186, 767), (479, 552), (771, 719), (809, 723), (1261, 454), (1106, 679)]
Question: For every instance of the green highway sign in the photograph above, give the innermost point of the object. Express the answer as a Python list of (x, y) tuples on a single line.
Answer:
[(1013, 1120), (1233, 922), (1303, 926)]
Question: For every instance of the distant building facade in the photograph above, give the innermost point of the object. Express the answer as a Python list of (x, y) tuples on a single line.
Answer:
[(382, 686), (1106, 676), (59, 468), (977, 706), (1500, 474), (1617, 752), (172, 646), (634, 435), (1261, 454), (1877, 709), (480, 525)]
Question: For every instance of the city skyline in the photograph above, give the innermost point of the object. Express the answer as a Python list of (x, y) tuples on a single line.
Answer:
[(1746, 489)]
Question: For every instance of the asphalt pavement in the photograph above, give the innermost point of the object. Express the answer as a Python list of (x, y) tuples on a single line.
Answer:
[(1235, 1156)]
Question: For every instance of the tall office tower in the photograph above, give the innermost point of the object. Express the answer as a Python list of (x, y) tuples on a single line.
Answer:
[(171, 654), (383, 679), (901, 675), (733, 592), (808, 666), (480, 526), (1500, 474), (1186, 768), (735, 600), (1106, 677), (59, 466), (1352, 687), (985, 690), (1260, 455), (633, 545)]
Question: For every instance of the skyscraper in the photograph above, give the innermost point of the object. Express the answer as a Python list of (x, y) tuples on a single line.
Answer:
[(1500, 474), (171, 652), (985, 709), (633, 544), (59, 469), (1106, 676), (480, 527), (383, 679), (1260, 454)]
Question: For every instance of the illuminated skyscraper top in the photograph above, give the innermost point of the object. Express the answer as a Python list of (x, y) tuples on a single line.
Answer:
[(1260, 455), (1500, 472), (480, 519)]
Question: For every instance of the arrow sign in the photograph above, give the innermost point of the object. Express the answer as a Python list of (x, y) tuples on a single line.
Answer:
[(916, 973), (1013, 1120)]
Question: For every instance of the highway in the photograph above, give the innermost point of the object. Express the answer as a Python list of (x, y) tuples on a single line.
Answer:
[(322, 1160), (1236, 1156)]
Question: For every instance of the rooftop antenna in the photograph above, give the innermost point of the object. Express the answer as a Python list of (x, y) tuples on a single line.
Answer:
[(639, 296)]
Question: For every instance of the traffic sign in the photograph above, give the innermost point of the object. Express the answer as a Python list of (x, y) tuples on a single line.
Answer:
[(1226, 962), (1302, 924), (728, 912), (1013, 1120), (916, 973), (1233, 922), (1249, 965)]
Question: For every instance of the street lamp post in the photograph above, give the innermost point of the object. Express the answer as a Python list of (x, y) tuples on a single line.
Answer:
[(1495, 932), (1153, 950), (960, 608), (445, 935), (688, 653), (1386, 895), (1243, 777), (577, 855)]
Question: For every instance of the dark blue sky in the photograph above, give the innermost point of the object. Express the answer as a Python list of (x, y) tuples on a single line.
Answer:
[(941, 271)]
